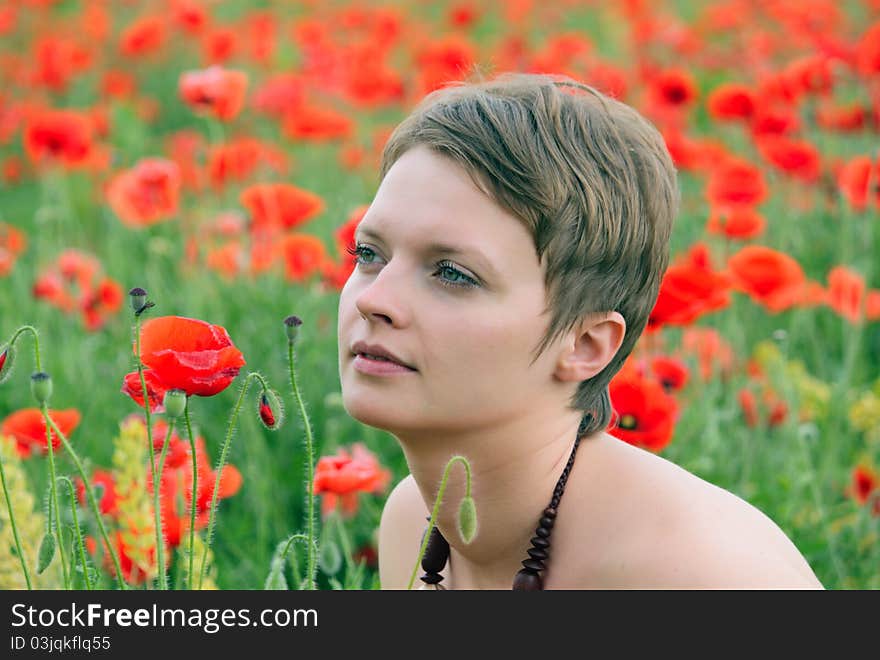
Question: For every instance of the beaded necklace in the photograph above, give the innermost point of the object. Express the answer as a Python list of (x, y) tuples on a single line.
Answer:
[(529, 577)]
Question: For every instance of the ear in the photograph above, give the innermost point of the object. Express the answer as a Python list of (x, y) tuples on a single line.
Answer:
[(590, 346)]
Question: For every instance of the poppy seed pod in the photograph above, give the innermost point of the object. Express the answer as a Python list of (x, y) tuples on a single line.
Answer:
[(291, 325), (7, 357), (174, 403), (138, 298), (41, 386), (467, 519), (270, 410)]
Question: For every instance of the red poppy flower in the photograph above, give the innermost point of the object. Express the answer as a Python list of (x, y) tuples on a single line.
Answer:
[(731, 101), (219, 92), (279, 94), (868, 52), (673, 88), (75, 282), (28, 429), (345, 475), (12, 243), (304, 255), (237, 160), (132, 573), (736, 182), (316, 123), (219, 45), (797, 158), (63, 136), (108, 503), (144, 36), (771, 278), (774, 120), (846, 293), (865, 482), (672, 373), (749, 405), (187, 354), (146, 194), (644, 413), (280, 206), (175, 492), (690, 289), (131, 385), (853, 181), (740, 223), (846, 118)]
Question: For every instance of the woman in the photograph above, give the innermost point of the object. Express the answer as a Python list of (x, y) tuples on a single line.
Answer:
[(505, 270)]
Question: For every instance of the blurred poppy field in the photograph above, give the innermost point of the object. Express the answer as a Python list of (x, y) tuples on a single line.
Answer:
[(219, 155)]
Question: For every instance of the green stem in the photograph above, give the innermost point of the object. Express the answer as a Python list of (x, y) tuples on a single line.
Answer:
[(27, 575), (221, 462), (163, 582), (157, 485), (55, 520), (310, 457), (81, 546), (436, 510), (193, 496), (33, 331), (92, 501)]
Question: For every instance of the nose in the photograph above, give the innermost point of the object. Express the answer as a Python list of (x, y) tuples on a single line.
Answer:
[(381, 300)]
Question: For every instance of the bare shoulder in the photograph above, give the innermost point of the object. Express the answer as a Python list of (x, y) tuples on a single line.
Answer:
[(668, 528), (400, 534)]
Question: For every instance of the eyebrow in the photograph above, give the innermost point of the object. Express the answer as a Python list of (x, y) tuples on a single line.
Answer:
[(441, 248)]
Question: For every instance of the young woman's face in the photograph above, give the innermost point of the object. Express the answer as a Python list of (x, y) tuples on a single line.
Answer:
[(467, 322)]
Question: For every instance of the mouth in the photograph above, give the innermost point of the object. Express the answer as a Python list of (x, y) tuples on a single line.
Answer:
[(378, 365)]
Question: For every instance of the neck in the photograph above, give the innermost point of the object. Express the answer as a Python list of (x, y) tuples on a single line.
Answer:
[(514, 468)]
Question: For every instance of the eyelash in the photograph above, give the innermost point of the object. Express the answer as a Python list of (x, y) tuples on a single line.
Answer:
[(358, 251)]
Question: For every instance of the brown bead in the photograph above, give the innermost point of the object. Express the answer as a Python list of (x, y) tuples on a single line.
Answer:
[(540, 542), (436, 552), (543, 532), (534, 564), (527, 580), (550, 512), (538, 553), (431, 578), (547, 522)]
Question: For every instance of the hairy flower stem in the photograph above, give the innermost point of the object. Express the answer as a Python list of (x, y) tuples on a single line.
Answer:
[(193, 496), (310, 457), (436, 510), (53, 504), (33, 331), (91, 496), (163, 581), (157, 485), (79, 539), (221, 462), (27, 575)]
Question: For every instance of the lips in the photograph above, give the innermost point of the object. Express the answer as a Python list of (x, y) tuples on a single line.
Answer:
[(377, 350)]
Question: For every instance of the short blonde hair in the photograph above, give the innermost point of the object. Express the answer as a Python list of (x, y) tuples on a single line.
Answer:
[(589, 177)]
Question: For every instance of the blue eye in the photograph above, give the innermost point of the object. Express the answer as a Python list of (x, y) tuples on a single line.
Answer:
[(458, 278)]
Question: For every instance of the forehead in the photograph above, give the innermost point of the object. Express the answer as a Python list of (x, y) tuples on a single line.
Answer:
[(427, 197)]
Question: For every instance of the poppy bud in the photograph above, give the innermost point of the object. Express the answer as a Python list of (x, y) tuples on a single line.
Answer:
[(41, 386), (467, 519), (175, 403), (45, 553), (7, 357), (270, 410), (291, 324), (138, 298)]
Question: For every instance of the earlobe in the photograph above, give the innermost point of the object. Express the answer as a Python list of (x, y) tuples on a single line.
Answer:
[(591, 346)]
